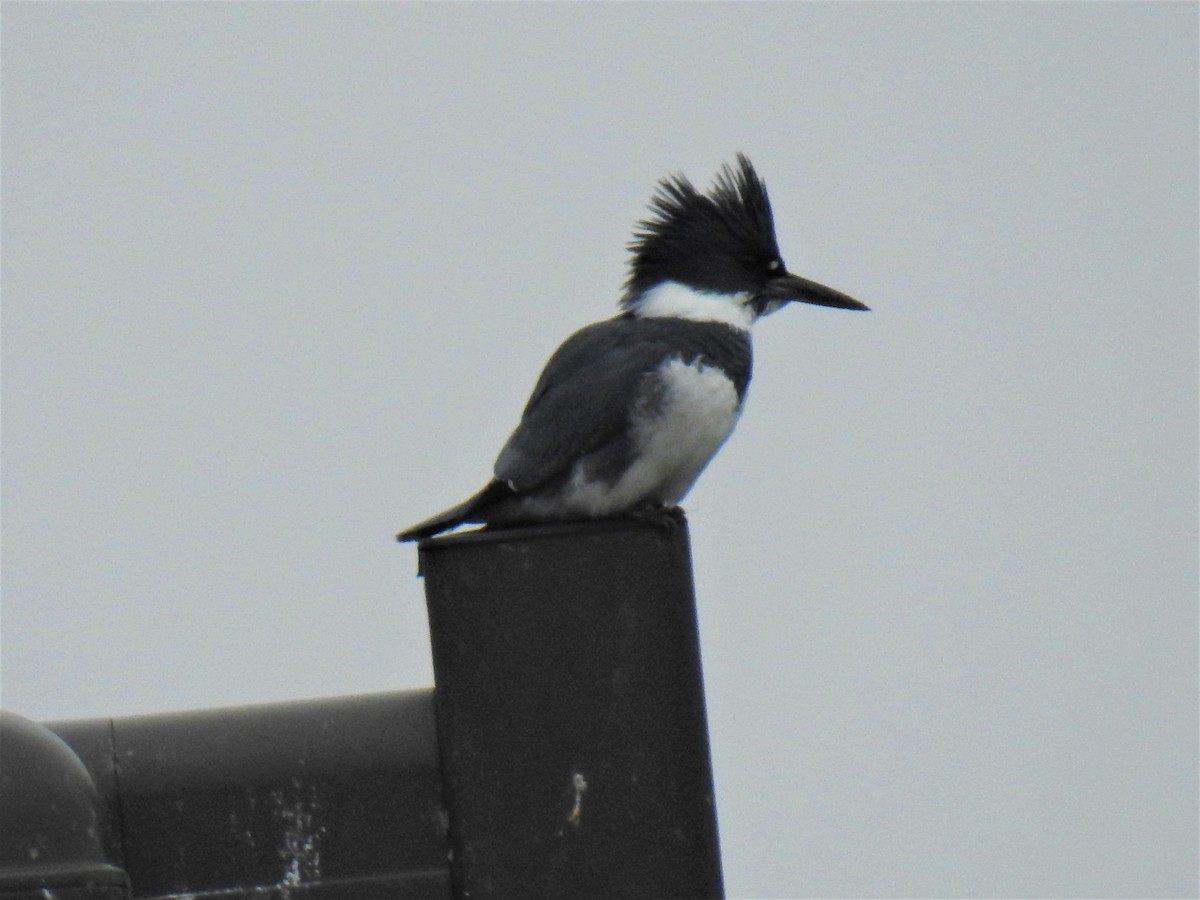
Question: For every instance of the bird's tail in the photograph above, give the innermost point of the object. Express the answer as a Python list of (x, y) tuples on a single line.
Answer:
[(467, 511)]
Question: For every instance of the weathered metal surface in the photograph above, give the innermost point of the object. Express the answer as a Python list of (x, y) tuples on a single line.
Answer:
[(571, 713), (336, 798)]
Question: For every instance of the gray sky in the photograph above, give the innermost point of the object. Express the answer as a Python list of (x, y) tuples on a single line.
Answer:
[(278, 280)]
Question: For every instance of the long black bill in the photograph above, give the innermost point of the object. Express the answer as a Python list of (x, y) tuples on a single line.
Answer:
[(792, 287)]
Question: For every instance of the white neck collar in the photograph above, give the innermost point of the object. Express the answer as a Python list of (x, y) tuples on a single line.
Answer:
[(670, 299)]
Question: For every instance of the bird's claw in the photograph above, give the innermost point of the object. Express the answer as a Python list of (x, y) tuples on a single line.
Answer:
[(668, 519)]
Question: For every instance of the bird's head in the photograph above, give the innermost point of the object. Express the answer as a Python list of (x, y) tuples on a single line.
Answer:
[(714, 255)]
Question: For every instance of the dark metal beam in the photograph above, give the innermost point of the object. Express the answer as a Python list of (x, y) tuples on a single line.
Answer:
[(329, 799)]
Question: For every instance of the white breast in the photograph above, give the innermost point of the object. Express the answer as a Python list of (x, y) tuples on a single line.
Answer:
[(679, 429)]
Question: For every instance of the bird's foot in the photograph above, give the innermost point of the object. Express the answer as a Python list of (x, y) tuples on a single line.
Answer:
[(668, 519)]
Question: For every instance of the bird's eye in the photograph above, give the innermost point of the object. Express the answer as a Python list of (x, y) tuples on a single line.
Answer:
[(775, 265)]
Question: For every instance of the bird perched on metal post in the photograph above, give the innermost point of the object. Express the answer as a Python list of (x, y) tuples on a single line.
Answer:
[(629, 411)]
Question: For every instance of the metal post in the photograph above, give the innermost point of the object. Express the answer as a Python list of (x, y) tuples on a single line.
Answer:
[(570, 713)]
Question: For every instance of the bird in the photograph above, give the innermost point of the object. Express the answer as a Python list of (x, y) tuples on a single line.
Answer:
[(628, 411)]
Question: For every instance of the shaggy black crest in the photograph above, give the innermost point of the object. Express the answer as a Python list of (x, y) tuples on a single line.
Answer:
[(718, 241)]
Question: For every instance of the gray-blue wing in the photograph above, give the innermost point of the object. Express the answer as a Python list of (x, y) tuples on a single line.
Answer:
[(582, 400)]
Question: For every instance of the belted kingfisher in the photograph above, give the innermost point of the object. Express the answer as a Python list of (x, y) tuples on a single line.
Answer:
[(628, 411)]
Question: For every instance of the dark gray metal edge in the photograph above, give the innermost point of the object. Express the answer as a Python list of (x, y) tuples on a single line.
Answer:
[(542, 531)]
